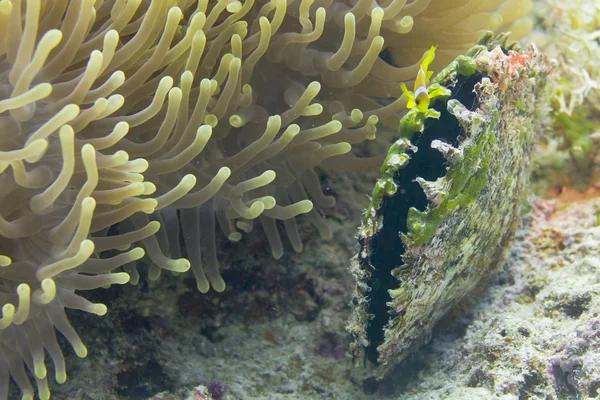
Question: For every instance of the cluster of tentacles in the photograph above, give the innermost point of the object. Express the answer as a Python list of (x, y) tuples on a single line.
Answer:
[(135, 129)]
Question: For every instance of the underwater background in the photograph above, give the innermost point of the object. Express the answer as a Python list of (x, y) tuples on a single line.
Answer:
[(275, 307)]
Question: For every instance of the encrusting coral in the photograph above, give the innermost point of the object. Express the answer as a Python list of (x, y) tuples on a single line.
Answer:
[(126, 123)]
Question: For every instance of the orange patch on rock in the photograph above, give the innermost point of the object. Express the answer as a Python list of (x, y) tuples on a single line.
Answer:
[(567, 195)]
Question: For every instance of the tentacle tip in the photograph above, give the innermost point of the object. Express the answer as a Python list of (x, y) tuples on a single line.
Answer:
[(44, 393), (40, 370), (182, 265), (307, 206), (137, 253), (23, 290), (218, 284), (225, 172), (60, 377), (121, 278), (153, 226), (202, 285), (99, 309), (255, 210), (236, 121), (234, 236), (5, 261), (80, 350), (277, 254), (189, 180)]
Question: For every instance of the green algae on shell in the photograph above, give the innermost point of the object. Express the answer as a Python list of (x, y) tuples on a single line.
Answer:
[(444, 211)]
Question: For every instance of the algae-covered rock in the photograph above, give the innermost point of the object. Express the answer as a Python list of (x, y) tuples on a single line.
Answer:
[(445, 209)]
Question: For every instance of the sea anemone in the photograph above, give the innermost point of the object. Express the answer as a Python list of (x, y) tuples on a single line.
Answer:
[(128, 124)]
